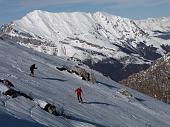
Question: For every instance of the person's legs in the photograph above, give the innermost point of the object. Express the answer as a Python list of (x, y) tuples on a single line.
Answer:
[(32, 72), (81, 99), (78, 97)]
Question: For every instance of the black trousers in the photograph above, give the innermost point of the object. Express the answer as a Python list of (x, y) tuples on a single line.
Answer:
[(79, 98), (32, 72)]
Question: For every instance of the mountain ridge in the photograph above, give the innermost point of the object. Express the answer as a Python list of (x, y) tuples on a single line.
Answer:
[(95, 37)]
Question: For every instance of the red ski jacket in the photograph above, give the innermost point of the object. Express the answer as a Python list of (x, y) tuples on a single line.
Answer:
[(78, 91)]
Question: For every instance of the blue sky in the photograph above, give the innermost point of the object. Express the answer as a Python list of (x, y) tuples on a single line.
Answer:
[(134, 9)]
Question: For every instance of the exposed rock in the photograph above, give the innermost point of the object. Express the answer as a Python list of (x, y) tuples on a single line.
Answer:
[(14, 93), (11, 92), (6, 82), (80, 72), (51, 109), (62, 68), (125, 92)]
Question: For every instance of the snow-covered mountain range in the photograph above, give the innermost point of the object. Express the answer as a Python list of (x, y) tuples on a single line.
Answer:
[(119, 46), (106, 103)]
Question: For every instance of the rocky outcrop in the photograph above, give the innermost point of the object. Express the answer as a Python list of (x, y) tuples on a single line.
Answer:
[(80, 72), (8, 89), (6, 82)]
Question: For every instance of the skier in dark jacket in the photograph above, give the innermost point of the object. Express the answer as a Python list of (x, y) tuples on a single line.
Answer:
[(32, 67), (78, 91)]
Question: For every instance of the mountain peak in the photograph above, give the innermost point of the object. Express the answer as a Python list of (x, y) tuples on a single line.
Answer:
[(99, 36)]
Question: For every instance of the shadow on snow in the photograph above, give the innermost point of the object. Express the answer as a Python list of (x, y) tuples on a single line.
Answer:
[(110, 86), (139, 99), (100, 103), (86, 121), (47, 78)]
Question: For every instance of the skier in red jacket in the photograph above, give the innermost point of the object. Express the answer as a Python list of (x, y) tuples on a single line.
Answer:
[(78, 91)]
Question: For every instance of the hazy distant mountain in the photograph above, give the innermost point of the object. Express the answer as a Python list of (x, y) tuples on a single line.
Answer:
[(114, 45)]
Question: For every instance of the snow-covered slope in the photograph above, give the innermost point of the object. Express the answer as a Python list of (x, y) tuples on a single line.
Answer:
[(102, 37), (107, 103), (5, 118), (155, 24)]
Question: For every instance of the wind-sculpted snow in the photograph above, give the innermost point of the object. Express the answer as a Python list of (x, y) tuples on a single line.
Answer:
[(106, 103)]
